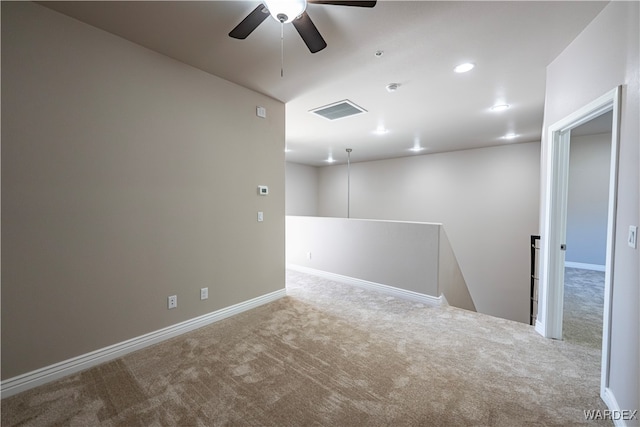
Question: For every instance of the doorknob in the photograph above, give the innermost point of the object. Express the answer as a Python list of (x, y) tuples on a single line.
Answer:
[(563, 247)]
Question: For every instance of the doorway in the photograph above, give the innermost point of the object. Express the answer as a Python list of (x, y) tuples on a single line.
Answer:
[(585, 256), (554, 223)]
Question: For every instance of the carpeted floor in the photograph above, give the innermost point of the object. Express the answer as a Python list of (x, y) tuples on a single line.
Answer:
[(332, 355), (583, 305)]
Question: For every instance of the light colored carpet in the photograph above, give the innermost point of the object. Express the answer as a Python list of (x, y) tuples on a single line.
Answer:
[(583, 305), (331, 355)]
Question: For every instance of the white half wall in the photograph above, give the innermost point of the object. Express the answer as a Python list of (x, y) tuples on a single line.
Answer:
[(398, 254), (487, 198)]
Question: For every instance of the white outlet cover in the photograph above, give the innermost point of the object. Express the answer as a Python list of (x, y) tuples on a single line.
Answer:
[(204, 293), (172, 301)]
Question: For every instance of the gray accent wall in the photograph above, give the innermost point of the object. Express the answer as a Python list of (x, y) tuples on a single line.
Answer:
[(487, 200), (126, 177), (588, 203), (605, 55), (301, 196)]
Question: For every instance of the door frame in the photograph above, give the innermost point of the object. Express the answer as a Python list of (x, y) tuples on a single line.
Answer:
[(554, 222)]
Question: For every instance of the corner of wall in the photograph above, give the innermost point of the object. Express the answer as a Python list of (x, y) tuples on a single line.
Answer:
[(451, 282)]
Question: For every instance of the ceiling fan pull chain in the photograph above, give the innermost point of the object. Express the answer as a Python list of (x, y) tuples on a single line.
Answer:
[(281, 49)]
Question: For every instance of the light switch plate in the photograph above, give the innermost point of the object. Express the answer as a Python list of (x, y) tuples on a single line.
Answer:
[(260, 217), (633, 236)]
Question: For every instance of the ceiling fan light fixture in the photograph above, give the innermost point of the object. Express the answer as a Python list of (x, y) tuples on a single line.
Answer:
[(294, 12), (285, 11)]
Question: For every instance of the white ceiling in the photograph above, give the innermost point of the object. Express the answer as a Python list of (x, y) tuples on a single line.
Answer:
[(511, 43)]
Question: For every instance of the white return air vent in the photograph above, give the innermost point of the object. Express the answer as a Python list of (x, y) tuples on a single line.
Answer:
[(338, 110)]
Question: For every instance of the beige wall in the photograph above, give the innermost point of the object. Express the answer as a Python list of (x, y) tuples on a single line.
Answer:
[(487, 200), (603, 56), (126, 177)]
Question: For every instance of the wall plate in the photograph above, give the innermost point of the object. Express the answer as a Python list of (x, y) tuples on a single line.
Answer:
[(633, 236), (172, 302)]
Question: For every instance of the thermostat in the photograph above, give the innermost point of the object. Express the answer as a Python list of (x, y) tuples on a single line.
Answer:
[(263, 190)]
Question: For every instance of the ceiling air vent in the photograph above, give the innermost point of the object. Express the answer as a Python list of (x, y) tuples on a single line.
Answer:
[(338, 110)]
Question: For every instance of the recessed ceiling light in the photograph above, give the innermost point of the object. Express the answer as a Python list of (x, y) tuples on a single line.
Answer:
[(500, 107), (381, 130), (416, 145), (510, 136), (330, 159), (463, 68)]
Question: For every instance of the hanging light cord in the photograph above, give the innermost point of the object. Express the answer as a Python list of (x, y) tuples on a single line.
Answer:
[(349, 150), (281, 49)]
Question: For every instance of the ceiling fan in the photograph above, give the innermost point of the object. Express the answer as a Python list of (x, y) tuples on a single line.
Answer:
[(294, 11)]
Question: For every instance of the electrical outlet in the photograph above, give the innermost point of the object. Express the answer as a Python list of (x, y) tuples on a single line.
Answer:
[(260, 216), (309, 255), (172, 301), (204, 293)]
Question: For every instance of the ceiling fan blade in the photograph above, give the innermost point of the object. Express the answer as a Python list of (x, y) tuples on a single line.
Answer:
[(309, 33), (250, 23), (345, 3)]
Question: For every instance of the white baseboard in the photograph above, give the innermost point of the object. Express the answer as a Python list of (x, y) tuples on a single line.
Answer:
[(372, 286), (539, 328), (611, 402), (583, 266), (56, 371)]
